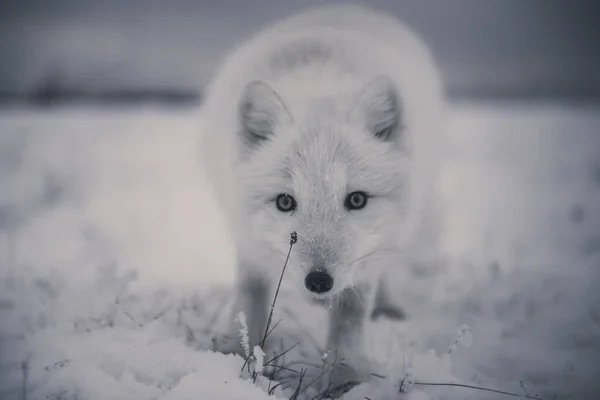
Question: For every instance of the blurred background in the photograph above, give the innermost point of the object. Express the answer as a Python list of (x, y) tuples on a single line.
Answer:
[(151, 48), (101, 186)]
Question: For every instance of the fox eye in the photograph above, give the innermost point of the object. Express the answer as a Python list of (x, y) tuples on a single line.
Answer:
[(356, 200), (285, 203)]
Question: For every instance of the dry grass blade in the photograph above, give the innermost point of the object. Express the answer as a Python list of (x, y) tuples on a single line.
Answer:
[(247, 361), (283, 368), (297, 391), (281, 354), (319, 377), (272, 389), (272, 329)]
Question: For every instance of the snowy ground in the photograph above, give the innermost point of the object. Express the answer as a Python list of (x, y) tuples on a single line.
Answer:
[(115, 267)]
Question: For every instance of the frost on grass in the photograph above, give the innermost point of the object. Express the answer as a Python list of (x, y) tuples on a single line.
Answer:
[(259, 355), (132, 343), (125, 342), (244, 339), (132, 346), (516, 307)]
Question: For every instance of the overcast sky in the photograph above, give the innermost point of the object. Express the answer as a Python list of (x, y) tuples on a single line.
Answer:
[(111, 44)]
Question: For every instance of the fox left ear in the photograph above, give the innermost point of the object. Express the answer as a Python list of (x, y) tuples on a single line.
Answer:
[(378, 109), (261, 112)]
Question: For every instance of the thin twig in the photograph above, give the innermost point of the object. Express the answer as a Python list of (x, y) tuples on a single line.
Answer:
[(462, 386), (477, 388), (293, 240)]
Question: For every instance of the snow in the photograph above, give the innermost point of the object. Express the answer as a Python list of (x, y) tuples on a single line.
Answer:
[(116, 270)]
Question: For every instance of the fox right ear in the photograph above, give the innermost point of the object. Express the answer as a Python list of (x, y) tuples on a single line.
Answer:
[(379, 110), (261, 112)]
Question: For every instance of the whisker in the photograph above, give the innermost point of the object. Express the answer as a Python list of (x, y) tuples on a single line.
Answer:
[(372, 260), (393, 250), (360, 299)]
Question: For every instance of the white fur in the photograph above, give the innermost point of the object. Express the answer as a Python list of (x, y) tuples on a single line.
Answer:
[(321, 94)]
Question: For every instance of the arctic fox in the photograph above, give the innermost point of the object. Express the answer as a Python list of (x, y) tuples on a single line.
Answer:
[(325, 124)]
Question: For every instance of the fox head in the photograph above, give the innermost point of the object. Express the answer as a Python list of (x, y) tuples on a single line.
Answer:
[(341, 180)]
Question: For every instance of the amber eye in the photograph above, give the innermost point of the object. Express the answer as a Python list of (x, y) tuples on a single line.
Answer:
[(356, 200), (285, 203)]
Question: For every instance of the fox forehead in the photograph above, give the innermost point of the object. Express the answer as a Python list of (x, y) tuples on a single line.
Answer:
[(329, 159), (323, 158), (318, 161)]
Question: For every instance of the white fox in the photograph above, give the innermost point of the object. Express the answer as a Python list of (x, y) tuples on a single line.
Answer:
[(325, 124)]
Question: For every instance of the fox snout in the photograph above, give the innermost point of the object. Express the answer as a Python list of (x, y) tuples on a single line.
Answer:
[(318, 281), (320, 254), (319, 262)]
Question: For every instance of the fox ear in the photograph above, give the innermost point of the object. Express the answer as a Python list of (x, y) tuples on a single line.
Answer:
[(261, 111), (378, 109)]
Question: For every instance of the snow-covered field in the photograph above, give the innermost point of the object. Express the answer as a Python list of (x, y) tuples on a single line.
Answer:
[(115, 266)]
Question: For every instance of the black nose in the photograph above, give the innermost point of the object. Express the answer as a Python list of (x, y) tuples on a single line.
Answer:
[(318, 282)]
